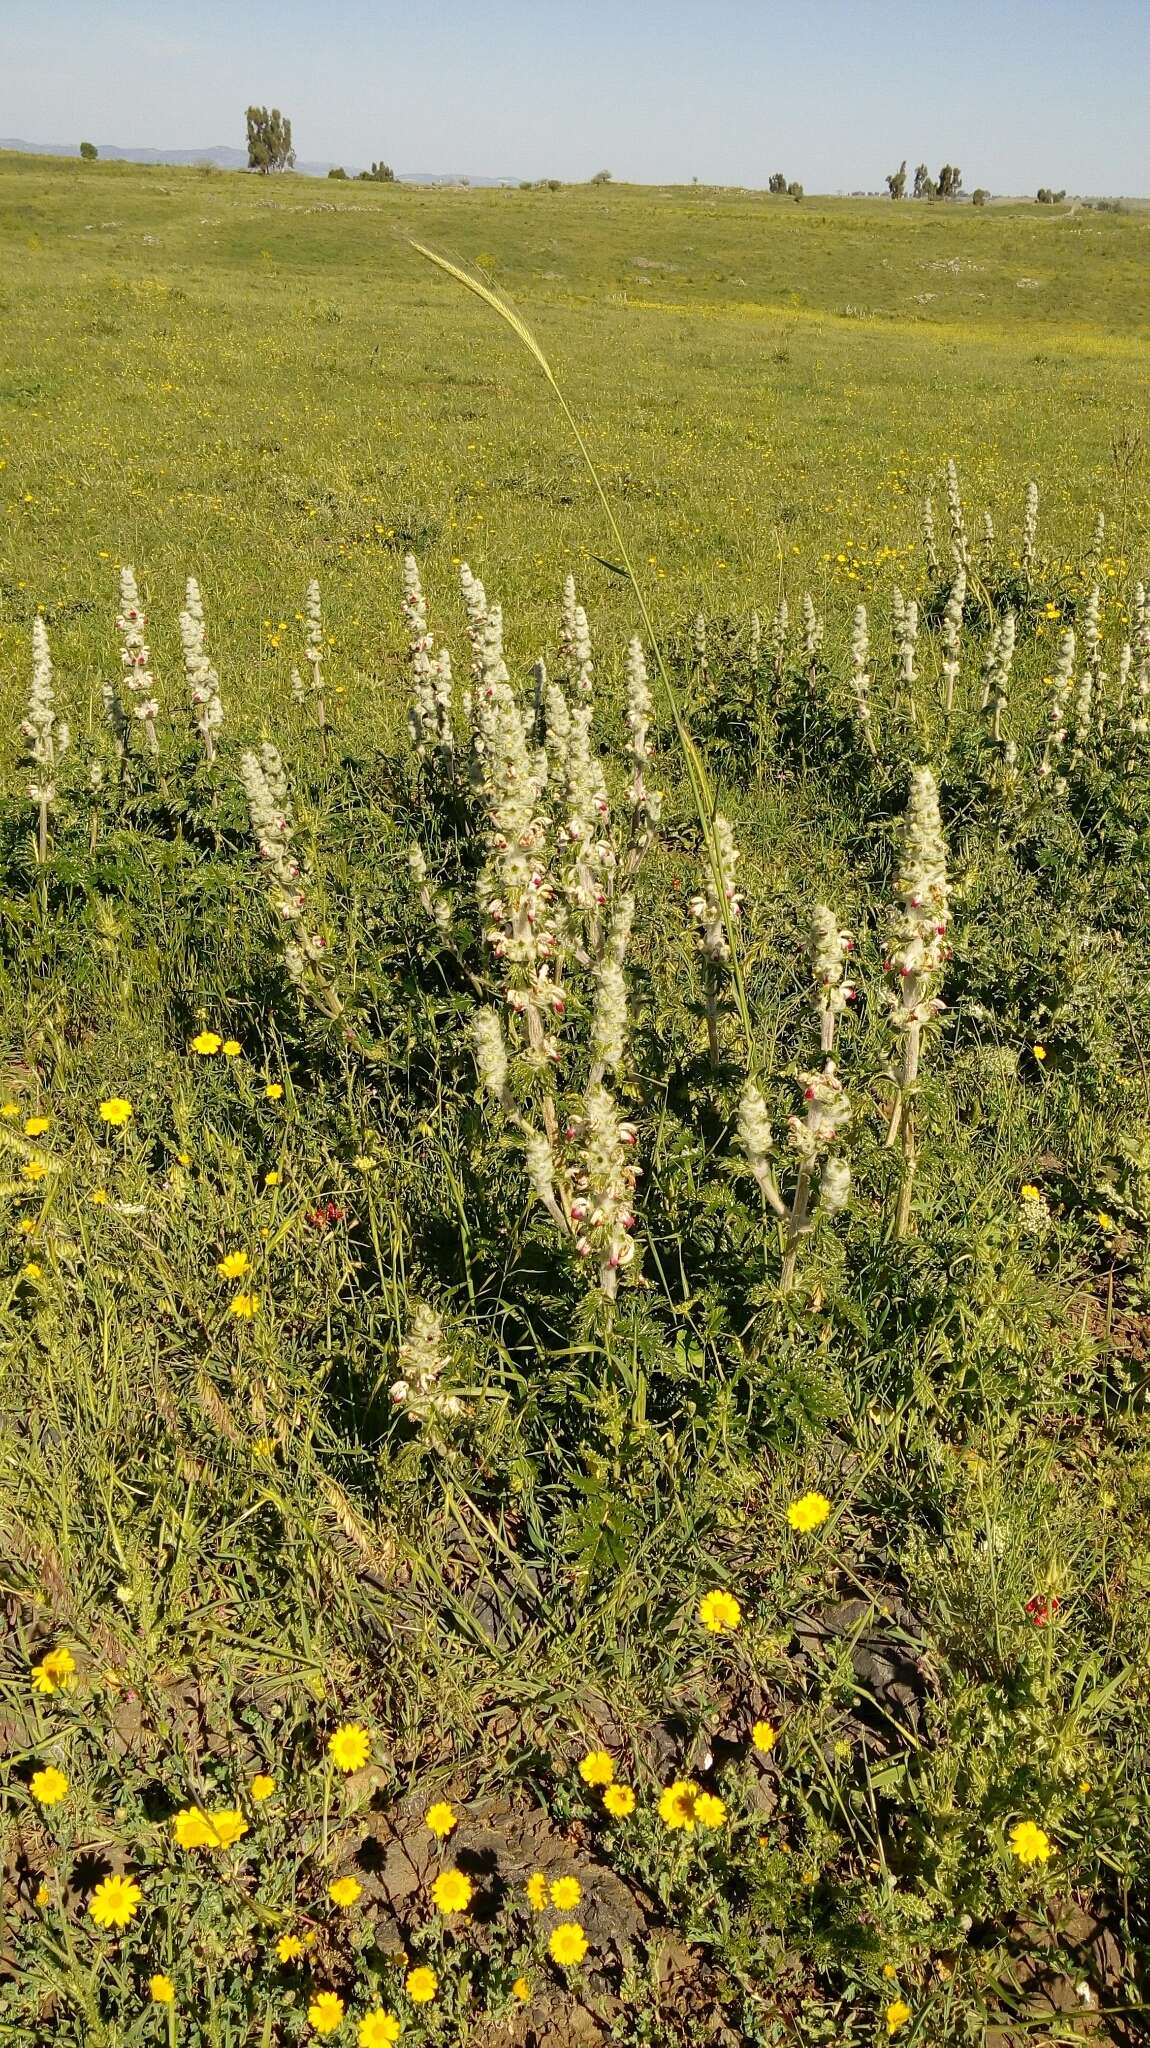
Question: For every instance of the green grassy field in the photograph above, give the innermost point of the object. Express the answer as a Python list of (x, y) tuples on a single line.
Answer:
[(209, 1497)]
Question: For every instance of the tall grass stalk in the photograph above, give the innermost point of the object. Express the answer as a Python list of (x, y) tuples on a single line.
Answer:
[(702, 793)]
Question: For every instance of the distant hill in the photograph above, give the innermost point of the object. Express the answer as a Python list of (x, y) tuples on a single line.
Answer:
[(225, 159)]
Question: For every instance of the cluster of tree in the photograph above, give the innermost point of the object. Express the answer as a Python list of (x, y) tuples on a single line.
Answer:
[(88, 152), (541, 184), (601, 178), (269, 141), (379, 174), (947, 185), (777, 182), (1048, 198)]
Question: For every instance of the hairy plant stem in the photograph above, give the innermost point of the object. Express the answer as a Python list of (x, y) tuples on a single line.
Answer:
[(902, 1125), (909, 1162), (797, 1223), (712, 999)]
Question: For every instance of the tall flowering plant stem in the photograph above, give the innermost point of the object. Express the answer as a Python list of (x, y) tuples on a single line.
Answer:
[(701, 791), (919, 950), (45, 735)]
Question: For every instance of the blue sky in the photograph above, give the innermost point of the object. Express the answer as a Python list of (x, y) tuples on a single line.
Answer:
[(834, 92)]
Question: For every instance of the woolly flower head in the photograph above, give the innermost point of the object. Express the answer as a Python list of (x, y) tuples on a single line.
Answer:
[(135, 656), (834, 1186), (602, 1176), (202, 680), (1029, 525), (719, 889), (826, 1116), (829, 949), (609, 1023), (757, 1140), (48, 738), (490, 1052), (423, 1357), (919, 948), (582, 678), (647, 803), (313, 624)]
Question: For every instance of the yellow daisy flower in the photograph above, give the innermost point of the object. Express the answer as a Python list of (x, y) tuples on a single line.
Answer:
[(597, 1767), (897, 2015), (36, 1126), (273, 1092), (568, 1944), (161, 1989), (344, 1891), (244, 1307), (1030, 1843), (116, 1110), (719, 1612), (677, 1805), (192, 1829), (231, 1048), (764, 1736), (261, 1787), (206, 1043), (325, 2013), (48, 1786), (619, 1800), (55, 1672), (229, 1826), (421, 1985), (234, 1265), (452, 1892), (289, 1948), (808, 1513), (349, 1747), (440, 1818), (378, 2029), (114, 1901)]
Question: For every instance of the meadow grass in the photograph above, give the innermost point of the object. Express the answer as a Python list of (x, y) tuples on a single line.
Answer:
[(244, 1542)]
